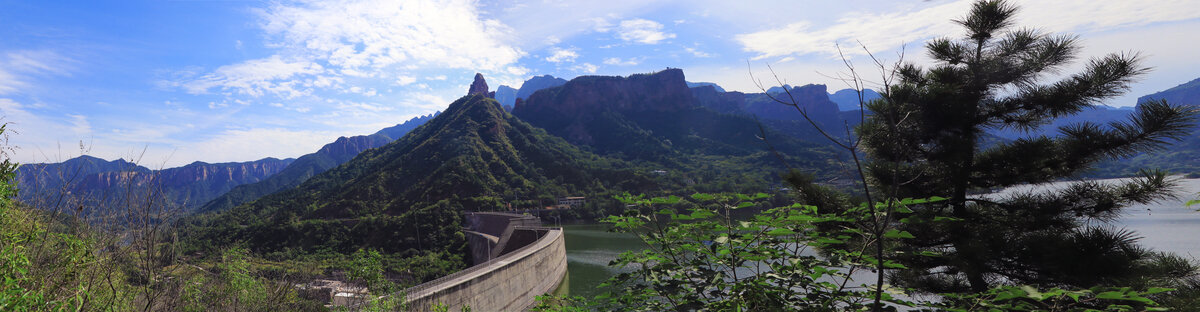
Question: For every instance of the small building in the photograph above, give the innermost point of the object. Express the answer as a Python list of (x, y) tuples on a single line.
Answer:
[(571, 202)]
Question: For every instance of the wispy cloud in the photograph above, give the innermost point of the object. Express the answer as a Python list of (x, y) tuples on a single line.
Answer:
[(619, 62), (332, 46), (560, 55), (642, 31), (271, 75), (890, 30), (17, 68), (586, 68)]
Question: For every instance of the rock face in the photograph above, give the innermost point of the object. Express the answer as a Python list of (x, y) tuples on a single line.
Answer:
[(479, 86)]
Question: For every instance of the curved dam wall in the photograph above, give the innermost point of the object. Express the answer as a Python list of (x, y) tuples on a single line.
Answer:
[(526, 260)]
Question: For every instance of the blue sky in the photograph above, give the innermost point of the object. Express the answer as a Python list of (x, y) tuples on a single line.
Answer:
[(172, 82)]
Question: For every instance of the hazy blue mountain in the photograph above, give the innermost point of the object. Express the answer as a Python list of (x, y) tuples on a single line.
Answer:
[(93, 178), (811, 98), (329, 156), (701, 84), (847, 99), (507, 96), (1185, 94), (537, 83)]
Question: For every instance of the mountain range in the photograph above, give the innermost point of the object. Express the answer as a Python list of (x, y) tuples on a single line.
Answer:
[(198, 186), (91, 178)]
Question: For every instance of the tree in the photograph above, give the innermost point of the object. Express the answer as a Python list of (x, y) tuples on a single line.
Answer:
[(930, 129)]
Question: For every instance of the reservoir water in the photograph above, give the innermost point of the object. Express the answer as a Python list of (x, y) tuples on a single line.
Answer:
[(1164, 226)]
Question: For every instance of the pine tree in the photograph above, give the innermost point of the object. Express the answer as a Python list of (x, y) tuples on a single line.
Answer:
[(931, 128)]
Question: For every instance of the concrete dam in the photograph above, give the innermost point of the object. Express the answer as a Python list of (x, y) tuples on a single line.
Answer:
[(516, 259)]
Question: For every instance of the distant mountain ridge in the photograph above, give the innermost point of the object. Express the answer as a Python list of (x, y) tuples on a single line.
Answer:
[(848, 99), (1187, 93), (329, 156), (186, 186)]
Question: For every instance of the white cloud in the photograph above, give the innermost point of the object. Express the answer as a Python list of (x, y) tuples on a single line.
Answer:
[(890, 30), (323, 48), (376, 34), (560, 55), (273, 75), (618, 62), (403, 80), (697, 53), (642, 31), (586, 67), (35, 136), (80, 125), (18, 67)]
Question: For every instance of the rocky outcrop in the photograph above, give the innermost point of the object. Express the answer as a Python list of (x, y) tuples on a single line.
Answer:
[(479, 86)]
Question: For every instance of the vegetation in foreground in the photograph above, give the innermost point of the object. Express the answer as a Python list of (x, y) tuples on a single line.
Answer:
[(924, 139)]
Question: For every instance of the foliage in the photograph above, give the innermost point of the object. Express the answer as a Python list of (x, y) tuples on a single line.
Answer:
[(929, 127), (781, 260), (1027, 298), (705, 258)]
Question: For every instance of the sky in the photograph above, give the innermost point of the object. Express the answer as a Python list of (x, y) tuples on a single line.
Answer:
[(167, 83)]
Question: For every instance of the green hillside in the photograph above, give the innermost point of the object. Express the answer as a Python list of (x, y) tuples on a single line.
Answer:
[(406, 198)]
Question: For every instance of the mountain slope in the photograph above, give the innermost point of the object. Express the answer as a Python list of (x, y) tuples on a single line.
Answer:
[(406, 197), (329, 156)]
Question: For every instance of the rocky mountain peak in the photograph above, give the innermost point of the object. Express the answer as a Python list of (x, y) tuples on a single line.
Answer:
[(479, 86)]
